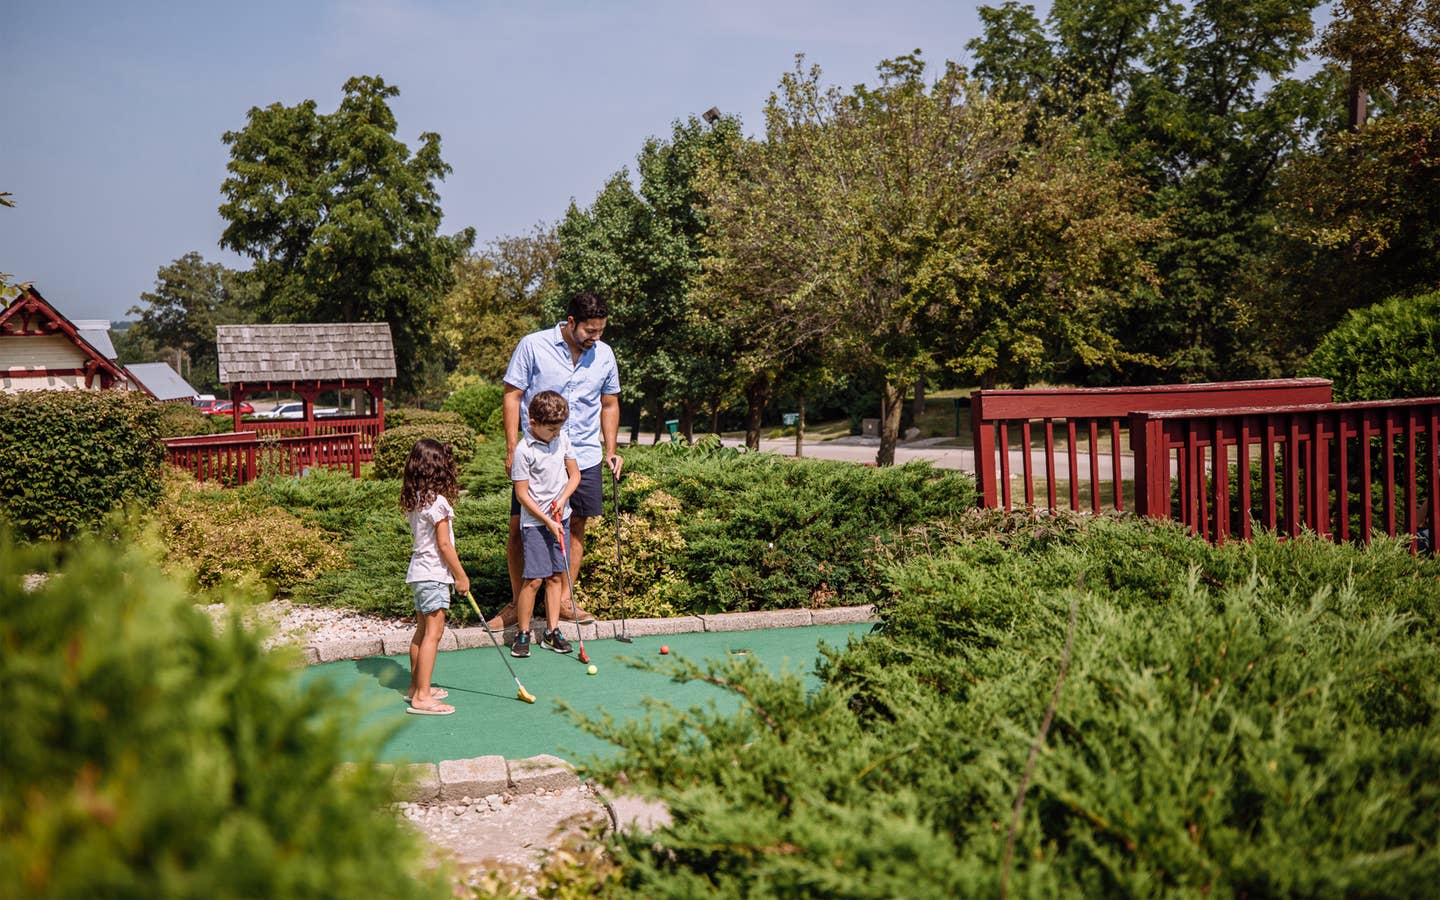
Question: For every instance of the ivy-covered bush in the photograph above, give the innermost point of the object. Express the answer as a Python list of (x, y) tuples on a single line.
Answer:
[(1259, 719), (393, 446), (69, 457), (146, 754), (1384, 351), (478, 404), (224, 536)]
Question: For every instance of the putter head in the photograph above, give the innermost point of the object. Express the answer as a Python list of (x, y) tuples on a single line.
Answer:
[(624, 639)]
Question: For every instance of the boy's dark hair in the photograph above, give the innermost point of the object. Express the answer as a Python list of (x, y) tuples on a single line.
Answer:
[(430, 472), (585, 306), (548, 408)]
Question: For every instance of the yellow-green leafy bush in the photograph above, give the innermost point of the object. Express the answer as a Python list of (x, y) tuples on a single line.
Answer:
[(394, 445)]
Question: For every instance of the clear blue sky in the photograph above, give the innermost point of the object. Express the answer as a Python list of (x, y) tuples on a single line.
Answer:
[(114, 110)]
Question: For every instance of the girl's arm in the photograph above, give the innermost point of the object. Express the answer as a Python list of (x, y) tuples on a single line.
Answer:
[(445, 544)]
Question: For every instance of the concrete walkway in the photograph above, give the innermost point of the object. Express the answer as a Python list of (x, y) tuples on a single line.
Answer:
[(860, 449)]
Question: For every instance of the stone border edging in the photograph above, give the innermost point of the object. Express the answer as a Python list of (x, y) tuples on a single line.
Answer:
[(455, 779), (397, 643)]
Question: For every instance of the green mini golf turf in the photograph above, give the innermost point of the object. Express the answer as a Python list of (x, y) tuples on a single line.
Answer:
[(489, 719)]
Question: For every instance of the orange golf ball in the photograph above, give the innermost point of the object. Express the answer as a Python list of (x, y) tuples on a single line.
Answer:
[(664, 648)]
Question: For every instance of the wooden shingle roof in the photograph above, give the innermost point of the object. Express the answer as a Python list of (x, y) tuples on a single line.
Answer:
[(329, 352)]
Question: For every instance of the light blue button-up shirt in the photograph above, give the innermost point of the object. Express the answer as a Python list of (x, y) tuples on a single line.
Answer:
[(541, 362)]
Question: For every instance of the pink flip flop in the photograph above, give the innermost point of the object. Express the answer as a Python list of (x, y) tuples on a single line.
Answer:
[(441, 710), (435, 694)]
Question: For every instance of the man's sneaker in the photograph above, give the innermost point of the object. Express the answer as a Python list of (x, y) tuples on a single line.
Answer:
[(554, 640), (521, 647)]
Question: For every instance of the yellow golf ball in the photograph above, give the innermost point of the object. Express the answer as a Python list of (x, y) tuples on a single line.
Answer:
[(592, 670)]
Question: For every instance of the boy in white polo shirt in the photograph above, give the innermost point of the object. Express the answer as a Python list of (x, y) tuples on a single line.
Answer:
[(545, 474)]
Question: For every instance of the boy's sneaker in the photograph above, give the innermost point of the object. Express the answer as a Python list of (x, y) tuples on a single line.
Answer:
[(554, 640), (521, 647)]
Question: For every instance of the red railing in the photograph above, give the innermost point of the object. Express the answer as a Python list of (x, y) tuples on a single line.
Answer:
[(238, 458), (367, 427), (1332, 468), (999, 415)]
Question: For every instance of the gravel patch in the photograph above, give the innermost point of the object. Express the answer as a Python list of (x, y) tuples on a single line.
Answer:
[(293, 623)]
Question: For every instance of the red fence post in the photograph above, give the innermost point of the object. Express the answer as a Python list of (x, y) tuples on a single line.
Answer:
[(983, 432)]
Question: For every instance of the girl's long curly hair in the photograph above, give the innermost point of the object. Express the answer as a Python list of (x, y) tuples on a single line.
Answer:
[(430, 472)]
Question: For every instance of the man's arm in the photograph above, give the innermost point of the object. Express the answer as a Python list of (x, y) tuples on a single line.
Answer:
[(610, 430), (510, 421)]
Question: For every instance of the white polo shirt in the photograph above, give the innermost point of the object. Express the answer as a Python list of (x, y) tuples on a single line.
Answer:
[(543, 466)]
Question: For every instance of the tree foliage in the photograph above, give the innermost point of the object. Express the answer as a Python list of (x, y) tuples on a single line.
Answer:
[(889, 226), (640, 249), (498, 298), (190, 298), (342, 219), (1391, 349)]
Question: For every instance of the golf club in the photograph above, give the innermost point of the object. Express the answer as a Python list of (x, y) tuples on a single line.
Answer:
[(565, 553), (522, 693), (623, 637)]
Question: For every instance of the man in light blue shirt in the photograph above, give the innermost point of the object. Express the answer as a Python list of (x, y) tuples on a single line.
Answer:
[(571, 360)]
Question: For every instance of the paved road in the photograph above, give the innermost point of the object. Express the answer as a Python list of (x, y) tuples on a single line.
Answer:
[(863, 450)]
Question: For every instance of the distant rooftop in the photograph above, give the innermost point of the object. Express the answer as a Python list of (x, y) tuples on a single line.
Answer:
[(97, 332), (161, 380), (331, 352)]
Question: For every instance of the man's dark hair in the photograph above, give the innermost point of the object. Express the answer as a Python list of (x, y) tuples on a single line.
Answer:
[(585, 306)]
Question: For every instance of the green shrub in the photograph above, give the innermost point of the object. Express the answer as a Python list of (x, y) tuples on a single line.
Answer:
[(145, 754), (400, 416), (1383, 351), (68, 457), (1256, 719), (184, 420), (393, 446), (224, 536), (479, 406)]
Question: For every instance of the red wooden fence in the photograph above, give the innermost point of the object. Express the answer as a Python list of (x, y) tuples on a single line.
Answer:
[(239, 458), (1004, 415), (1332, 468), (367, 427)]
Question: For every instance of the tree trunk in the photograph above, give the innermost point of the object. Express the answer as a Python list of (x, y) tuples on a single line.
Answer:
[(917, 408), (800, 424), (658, 411), (715, 419), (891, 398), (756, 393), (687, 420)]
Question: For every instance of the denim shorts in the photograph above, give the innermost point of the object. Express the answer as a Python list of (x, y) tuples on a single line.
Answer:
[(431, 596), (542, 552)]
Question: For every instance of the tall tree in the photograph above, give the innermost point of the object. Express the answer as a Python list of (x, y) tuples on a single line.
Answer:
[(1364, 203), (641, 249), (1199, 98), (190, 298), (498, 298), (342, 219), (875, 230)]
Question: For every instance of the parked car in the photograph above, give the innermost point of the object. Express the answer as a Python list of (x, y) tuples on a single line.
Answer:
[(206, 402), (295, 409), (224, 407)]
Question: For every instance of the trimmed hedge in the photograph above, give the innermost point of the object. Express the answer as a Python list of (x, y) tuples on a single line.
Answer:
[(67, 458), (400, 416), (148, 754), (393, 447), (1258, 719), (184, 420), (1384, 351), (480, 406)]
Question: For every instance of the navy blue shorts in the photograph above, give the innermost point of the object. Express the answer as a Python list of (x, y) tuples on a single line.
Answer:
[(586, 501), (542, 553)]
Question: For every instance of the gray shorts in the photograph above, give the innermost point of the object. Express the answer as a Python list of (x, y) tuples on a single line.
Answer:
[(431, 596), (542, 553), (586, 501)]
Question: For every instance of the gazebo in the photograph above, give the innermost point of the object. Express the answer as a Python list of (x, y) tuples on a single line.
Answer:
[(309, 360)]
